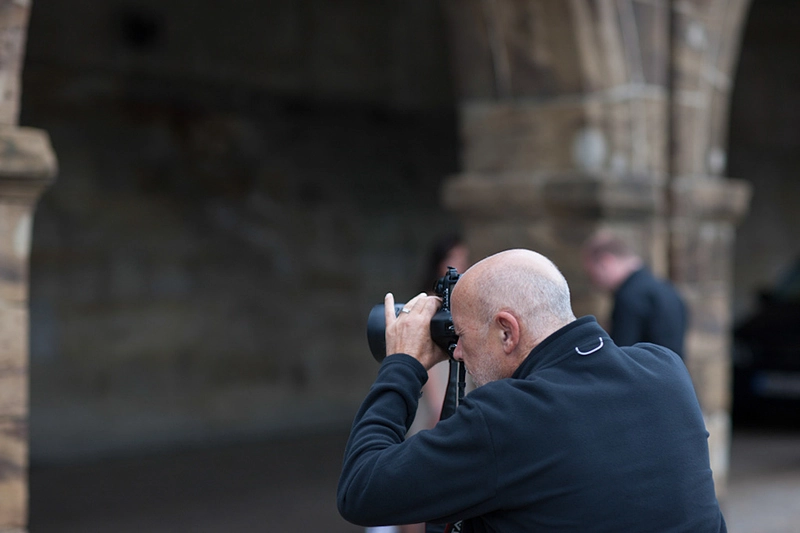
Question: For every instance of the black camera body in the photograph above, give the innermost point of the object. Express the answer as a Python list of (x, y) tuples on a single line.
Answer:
[(442, 330)]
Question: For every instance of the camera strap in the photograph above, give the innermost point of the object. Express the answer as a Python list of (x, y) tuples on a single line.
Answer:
[(456, 385)]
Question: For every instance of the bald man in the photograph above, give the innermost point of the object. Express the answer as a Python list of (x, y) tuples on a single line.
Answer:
[(566, 431)]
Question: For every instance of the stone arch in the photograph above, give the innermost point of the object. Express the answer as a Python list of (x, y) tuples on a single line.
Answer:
[(609, 114), (574, 114)]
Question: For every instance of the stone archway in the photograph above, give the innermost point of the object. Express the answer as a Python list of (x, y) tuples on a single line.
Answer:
[(575, 114), (582, 114)]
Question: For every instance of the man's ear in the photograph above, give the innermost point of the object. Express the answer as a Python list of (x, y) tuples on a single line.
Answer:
[(508, 326)]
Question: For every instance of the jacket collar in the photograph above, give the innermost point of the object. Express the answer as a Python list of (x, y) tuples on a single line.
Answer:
[(583, 334)]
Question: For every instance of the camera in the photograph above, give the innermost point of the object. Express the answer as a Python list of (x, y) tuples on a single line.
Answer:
[(442, 330)]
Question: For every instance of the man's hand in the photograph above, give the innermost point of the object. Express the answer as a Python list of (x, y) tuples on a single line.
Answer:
[(410, 331)]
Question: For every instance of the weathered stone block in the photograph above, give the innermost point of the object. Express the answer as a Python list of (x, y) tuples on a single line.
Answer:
[(638, 133), (13, 336), (15, 235), (690, 120), (709, 302), (591, 197), (27, 164), (13, 473), (700, 127), (725, 200), (506, 138), (618, 132), (13, 361), (13, 30), (702, 254), (712, 381), (14, 391)]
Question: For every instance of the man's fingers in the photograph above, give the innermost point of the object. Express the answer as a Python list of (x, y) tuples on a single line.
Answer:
[(409, 331), (413, 302), (388, 308), (431, 305), (389, 313)]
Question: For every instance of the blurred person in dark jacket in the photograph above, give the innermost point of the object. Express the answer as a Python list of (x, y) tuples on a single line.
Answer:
[(646, 308)]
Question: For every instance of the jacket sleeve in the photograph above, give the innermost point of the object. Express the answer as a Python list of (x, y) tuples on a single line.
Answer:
[(442, 474)]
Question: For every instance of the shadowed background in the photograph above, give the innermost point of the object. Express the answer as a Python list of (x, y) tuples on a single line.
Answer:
[(238, 184)]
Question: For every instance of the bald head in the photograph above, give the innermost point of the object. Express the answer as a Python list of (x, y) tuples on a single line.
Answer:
[(522, 282)]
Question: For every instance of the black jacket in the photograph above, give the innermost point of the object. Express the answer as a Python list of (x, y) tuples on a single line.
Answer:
[(648, 309), (610, 441)]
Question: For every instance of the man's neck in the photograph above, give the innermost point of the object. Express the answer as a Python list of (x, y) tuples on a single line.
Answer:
[(627, 266)]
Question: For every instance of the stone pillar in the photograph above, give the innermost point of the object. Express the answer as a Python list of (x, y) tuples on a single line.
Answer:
[(27, 167), (705, 206), (573, 118)]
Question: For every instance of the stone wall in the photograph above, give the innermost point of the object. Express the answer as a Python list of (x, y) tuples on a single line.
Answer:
[(207, 274), (387, 53), (228, 210)]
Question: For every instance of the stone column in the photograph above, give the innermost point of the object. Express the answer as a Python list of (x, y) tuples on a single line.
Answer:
[(27, 167), (705, 207), (571, 120)]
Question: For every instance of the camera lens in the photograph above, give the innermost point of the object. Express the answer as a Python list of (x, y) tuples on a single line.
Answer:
[(376, 330)]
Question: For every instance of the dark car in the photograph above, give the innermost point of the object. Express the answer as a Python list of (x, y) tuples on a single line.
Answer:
[(766, 357)]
